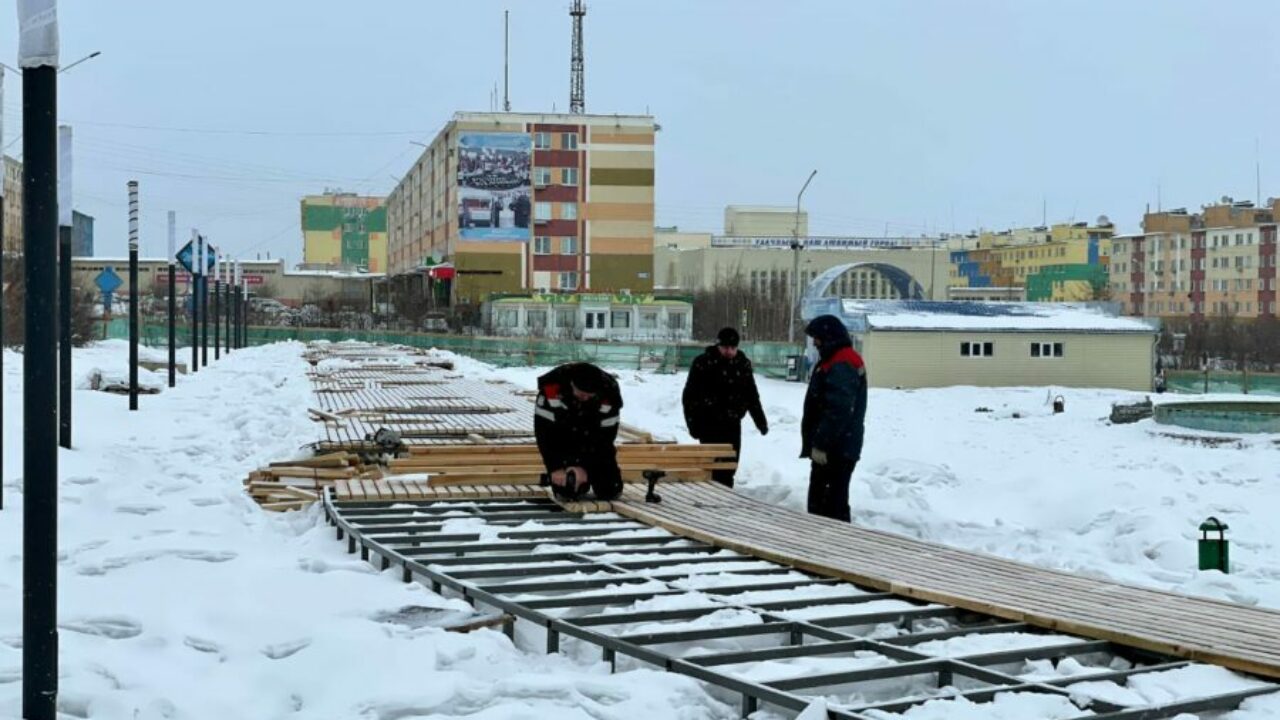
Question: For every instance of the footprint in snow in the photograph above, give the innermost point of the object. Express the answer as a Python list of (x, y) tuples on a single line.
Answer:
[(112, 627), (280, 651), (202, 645), (122, 561), (82, 480), (139, 509), (206, 501)]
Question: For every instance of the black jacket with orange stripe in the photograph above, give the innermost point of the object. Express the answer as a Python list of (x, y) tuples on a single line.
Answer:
[(572, 432), (835, 405)]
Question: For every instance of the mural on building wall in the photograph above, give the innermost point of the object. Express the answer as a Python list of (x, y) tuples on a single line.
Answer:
[(494, 188), (353, 222)]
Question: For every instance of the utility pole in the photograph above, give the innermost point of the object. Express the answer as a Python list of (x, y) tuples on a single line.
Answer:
[(133, 294), (38, 58), (795, 263), (173, 299), (64, 286), (577, 63)]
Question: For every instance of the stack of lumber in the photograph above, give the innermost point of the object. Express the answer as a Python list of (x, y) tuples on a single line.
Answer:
[(294, 484), (521, 464)]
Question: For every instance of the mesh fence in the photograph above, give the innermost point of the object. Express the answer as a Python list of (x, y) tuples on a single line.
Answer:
[(1224, 382), (769, 358)]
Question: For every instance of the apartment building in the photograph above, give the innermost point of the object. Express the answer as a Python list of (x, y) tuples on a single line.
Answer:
[(1063, 263), (516, 202), (1219, 262)]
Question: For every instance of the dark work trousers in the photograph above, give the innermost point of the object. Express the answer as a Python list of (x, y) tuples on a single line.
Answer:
[(728, 433), (605, 479), (829, 488)]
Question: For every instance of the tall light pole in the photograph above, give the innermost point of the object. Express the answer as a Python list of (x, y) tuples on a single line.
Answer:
[(795, 262)]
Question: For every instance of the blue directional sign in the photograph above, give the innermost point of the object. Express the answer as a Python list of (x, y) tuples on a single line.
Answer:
[(188, 251), (108, 281)]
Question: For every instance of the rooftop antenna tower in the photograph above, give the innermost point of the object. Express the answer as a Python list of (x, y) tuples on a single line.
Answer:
[(577, 102), (506, 35)]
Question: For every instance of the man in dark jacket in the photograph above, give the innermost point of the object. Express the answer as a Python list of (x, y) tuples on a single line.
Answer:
[(721, 389), (575, 420), (835, 408)]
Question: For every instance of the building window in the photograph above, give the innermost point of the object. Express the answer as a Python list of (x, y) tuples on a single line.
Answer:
[(676, 321), (541, 176), (568, 246), (542, 211), (566, 318), (506, 319), (542, 245), (568, 211), (542, 141), (648, 321), (568, 281), (536, 319), (568, 141), (977, 349), (620, 319), (569, 176)]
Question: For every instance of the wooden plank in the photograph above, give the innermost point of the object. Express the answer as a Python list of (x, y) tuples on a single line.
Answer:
[(356, 488), (1015, 598)]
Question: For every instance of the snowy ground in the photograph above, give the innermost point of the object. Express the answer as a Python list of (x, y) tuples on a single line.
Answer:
[(1066, 491), (179, 598)]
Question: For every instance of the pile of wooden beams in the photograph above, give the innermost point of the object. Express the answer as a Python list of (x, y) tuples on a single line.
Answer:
[(294, 484), (521, 464)]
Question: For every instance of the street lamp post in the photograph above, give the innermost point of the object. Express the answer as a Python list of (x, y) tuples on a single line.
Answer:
[(795, 263)]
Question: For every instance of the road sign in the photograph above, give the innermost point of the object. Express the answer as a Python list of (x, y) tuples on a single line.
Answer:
[(185, 254), (108, 281)]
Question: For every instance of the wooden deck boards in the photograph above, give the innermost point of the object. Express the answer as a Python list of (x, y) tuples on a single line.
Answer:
[(1235, 636)]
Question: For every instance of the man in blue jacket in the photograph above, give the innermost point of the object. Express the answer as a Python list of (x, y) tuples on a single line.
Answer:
[(835, 408)]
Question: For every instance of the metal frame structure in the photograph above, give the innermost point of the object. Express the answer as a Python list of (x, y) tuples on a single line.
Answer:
[(540, 564)]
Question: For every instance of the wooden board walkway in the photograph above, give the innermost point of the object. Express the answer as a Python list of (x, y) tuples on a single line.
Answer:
[(1235, 636)]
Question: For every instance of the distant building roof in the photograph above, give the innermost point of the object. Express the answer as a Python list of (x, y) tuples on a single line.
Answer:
[(763, 209), (927, 315)]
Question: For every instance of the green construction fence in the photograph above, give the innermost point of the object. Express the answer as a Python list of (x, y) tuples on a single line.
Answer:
[(769, 358)]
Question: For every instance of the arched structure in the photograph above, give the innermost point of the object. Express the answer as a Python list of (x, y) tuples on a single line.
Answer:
[(816, 302)]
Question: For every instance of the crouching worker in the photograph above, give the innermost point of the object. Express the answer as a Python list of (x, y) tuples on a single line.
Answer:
[(575, 422)]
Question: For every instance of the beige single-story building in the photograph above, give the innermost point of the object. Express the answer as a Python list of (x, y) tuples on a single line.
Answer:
[(917, 344)]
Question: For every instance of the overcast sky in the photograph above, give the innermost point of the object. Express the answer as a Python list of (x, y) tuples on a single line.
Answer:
[(918, 115)]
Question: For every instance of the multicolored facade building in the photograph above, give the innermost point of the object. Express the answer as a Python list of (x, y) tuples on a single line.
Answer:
[(344, 231), (518, 202), (1062, 263), (1219, 262)]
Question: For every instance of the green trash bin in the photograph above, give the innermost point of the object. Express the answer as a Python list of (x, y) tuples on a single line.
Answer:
[(1214, 552)]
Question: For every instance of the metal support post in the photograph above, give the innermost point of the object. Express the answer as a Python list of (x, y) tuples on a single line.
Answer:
[(39, 368), (133, 294)]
